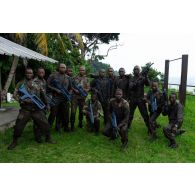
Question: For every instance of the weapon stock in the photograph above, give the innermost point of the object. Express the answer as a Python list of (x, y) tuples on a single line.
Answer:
[(63, 90), (91, 116), (82, 92), (33, 97), (146, 69), (114, 124)]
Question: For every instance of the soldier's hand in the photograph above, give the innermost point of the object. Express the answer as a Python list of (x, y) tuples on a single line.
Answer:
[(76, 91), (48, 108), (26, 101), (58, 91), (174, 129)]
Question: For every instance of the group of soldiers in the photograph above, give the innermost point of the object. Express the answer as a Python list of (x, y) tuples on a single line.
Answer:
[(115, 98)]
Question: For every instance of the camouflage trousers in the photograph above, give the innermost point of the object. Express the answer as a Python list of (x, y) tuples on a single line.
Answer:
[(123, 131), (170, 134), (38, 117), (77, 103)]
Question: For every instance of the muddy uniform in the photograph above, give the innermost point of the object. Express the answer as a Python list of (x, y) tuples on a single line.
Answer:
[(78, 100), (175, 115), (136, 86), (61, 103), (121, 111), (122, 83), (30, 110), (102, 86), (112, 81), (97, 112)]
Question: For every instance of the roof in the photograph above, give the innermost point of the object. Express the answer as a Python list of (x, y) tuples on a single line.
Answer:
[(10, 48)]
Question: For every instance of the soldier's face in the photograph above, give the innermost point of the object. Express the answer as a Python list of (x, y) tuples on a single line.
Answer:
[(121, 72), (41, 73), (172, 99), (81, 71), (102, 73), (110, 72), (118, 95), (154, 87), (29, 74), (62, 68), (93, 97), (136, 70), (69, 72)]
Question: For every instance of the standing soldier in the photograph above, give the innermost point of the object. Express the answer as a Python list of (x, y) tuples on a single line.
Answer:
[(29, 110), (82, 81), (122, 82), (102, 86), (119, 109), (93, 111), (175, 116), (155, 105), (61, 102), (136, 85), (112, 78), (39, 80)]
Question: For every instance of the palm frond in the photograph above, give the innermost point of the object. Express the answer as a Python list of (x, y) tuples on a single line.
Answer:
[(41, 42)]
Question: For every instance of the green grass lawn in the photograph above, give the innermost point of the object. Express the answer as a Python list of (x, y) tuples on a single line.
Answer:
[(82, 146)]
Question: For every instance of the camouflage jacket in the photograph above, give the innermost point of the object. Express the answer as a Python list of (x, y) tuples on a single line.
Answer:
[(41, 82), (63, 79), (33, 89), (96, 107), (83, 81)]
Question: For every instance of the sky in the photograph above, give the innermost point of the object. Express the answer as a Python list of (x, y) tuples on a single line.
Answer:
[(138, 49)]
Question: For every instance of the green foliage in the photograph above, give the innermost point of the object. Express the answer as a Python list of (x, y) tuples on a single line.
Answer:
[(154, 74), (99, 65)]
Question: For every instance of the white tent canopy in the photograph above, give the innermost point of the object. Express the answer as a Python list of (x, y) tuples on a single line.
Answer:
[(10, 48)]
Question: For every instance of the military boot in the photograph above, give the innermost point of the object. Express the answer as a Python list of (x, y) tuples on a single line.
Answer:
[(12, 145)]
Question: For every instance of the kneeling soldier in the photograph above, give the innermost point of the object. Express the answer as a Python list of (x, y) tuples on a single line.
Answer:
[(175, 115), (93, 111), (155, 104), (118, 118), (29, 110)]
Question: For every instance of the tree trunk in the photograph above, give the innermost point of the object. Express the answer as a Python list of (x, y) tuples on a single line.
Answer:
[(11, 74)]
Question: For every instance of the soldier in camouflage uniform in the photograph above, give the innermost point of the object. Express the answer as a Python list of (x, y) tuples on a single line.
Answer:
[(97, 112), (122, 82), (39, 80), (79, 101), (61, 103), (102, 86), (175, 116), (136, 85), (29, 110), (155, 105), (120, 107)]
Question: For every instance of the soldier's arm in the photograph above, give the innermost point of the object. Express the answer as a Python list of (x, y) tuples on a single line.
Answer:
[(126, 115), (147, 81), (16, 94), (49, 84), (100, 110), (87, 85)]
